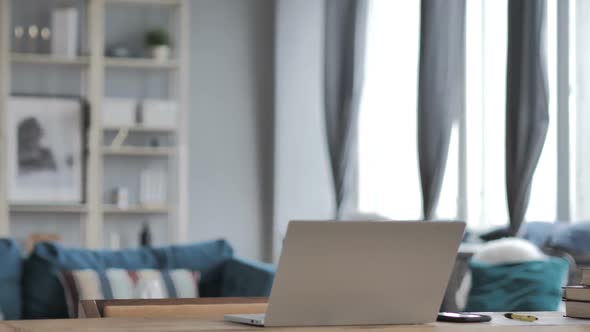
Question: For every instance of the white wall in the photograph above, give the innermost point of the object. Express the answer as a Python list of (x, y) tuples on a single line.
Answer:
[(302, 188), (230, 123)]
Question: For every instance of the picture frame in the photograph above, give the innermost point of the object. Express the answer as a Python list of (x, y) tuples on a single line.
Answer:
[(46, 159)]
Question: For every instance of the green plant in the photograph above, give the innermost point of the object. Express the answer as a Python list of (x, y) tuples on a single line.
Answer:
[(157, 37)]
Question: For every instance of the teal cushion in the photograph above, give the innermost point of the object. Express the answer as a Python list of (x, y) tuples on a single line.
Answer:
[(10, 278), (43, 294), (529, 286)]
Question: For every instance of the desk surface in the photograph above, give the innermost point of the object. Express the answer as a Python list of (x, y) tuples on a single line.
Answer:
[(548, 321)]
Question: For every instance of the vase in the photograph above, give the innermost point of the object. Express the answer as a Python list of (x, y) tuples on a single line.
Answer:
[(161, 52)]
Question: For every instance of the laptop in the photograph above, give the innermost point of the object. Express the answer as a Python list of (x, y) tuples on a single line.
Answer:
[(360, 273)]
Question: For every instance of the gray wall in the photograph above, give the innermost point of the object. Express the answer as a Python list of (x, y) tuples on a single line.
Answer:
[(302, 188), (244, 186), (231, 121)]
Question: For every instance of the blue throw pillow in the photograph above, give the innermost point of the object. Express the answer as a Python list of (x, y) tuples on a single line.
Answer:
[(10, 279), (43, 294), (529, 286), (574, 238), (539, 232)]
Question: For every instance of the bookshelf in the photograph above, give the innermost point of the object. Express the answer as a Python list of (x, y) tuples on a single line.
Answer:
[(97, 73), (46, 59), (44, 208), (140, 63), (135, 210), (139, 128), (148, 2), (138, 151)]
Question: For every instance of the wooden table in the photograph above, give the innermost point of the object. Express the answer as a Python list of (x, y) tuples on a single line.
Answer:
[(548, 322)]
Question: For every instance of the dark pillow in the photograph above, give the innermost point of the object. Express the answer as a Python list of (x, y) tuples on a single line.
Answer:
[(10, 279), (43, 294), (528, 286), (495, 234)]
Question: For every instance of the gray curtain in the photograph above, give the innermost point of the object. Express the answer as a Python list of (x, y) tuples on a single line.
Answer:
[(527, 115), (441, 91), (345, 29)]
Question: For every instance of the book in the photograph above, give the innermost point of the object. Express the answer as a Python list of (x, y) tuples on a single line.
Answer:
[(585, 277), (159, 113), (577, 293), (64, 40), (153, 188), (577, 309)]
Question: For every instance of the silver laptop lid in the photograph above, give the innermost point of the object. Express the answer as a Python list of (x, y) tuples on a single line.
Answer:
[(363, 273)]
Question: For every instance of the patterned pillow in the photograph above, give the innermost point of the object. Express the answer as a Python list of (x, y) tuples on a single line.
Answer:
[(124, 284)]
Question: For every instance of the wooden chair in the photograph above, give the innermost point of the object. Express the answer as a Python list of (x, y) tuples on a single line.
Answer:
[(199, 308)]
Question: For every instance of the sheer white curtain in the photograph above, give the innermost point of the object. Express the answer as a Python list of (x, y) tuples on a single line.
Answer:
[(389, 181), (579, 76), (388, 160)]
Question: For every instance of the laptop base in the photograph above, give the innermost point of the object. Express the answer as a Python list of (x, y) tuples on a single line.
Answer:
[(249, 319)]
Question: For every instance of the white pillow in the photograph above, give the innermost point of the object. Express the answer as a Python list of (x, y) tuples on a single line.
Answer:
[(503, 251), (507, 251)]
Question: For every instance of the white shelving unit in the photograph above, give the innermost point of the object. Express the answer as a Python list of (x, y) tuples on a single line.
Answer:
[(94, 67), (141, 63), (138, 151), (111, 209), (47, 59), (42, 208), (148, 2), (140, 129)]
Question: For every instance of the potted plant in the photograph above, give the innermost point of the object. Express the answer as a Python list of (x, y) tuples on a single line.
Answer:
[(158, 42)]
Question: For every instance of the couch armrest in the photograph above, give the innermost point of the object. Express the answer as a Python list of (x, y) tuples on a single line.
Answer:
[(241, 277)]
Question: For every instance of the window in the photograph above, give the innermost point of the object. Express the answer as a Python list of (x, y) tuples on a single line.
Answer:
[(486, 27), (474, 182), (388, 159), (579, 105), (543, 201)]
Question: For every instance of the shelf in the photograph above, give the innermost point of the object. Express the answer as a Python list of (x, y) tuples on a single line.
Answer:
[(93, 73), (112, 209), (145, 2), (42, 208), (145, 63), (33, 58), (138, 151), (140, 129)]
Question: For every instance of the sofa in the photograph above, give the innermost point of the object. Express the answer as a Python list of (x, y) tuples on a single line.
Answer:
[(30, 288)]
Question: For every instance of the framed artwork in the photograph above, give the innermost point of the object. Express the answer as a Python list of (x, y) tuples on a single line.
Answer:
[(45, 150)]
